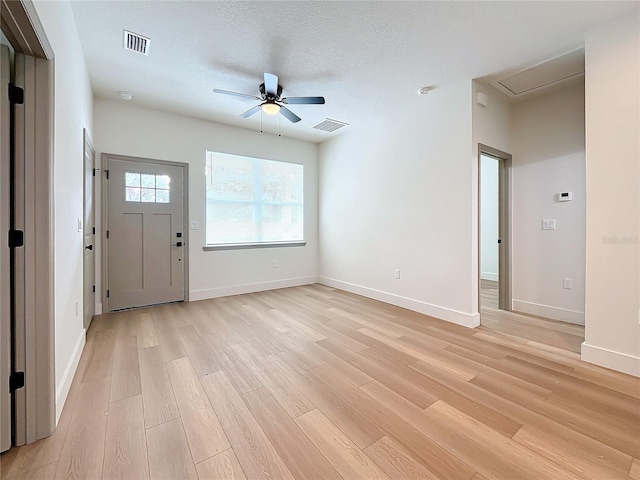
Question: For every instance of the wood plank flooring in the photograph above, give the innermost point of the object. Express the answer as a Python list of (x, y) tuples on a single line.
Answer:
[(315, 383)]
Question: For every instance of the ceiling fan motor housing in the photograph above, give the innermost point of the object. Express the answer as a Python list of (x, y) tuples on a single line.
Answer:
[(270, 97)]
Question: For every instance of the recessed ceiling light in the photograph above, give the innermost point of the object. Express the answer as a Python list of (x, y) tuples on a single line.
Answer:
[(424, 90), (126, 96)]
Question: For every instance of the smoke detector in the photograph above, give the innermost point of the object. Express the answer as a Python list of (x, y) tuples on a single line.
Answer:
[(126, 96)]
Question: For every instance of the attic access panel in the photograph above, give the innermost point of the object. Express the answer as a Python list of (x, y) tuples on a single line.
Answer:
[(544, 74)]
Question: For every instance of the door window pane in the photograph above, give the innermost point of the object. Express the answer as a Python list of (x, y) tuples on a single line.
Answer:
[(148, 195), (132, 194), (132, 179), (162, 196), (162, 181), (148, 181)]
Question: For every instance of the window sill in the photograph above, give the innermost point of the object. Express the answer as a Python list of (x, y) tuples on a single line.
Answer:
[(244, 246)]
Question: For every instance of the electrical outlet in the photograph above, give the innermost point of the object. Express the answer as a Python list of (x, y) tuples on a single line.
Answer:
[(275, 264), (396, 273), (194, 225), (548, 224), (79, 225), (567, 283)]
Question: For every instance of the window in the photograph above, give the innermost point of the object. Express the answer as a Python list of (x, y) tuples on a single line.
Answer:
[(144, 187), (253, 201)]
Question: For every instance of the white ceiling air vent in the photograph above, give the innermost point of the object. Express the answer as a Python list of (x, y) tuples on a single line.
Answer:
[(136, 43), (328, 125), (546, 74)]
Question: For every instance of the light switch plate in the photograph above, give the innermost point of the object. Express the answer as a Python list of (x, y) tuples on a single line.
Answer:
[(194, 225), (80, 225), (548, 224)]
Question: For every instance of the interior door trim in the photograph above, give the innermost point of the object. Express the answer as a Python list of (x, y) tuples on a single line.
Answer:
[(505, 252), (105, 157), (87, 147), (22, 27)]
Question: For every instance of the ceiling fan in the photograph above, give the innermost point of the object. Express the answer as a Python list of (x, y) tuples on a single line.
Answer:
[(272, 100)]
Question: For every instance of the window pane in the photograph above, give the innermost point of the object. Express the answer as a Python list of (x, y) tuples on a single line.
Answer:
[(231, 223), (148, 180), (280, 181), (250, 200), (148, 195), (132, 194), (232, 179), (132, 179), (162, 196), (162, 181)]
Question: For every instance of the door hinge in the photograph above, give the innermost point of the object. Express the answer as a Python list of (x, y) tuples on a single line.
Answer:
[(107, 173), (94, 172), (94, 230), (94, 289), (16, 238), (16, 381), (16, 94), (108, 294), (107, 233)]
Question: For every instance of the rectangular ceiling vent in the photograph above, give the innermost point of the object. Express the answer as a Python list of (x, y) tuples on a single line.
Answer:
[(546, 74), (136, 43), (328, 125)]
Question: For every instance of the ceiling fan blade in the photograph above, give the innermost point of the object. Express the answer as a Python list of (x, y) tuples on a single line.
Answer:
[(271, 84), (303, 100), (289, 115), (236, 94), (251, 111)]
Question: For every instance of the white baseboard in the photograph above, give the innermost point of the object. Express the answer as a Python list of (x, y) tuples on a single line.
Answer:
[(555, 313), (62, 389), (442, 313), (489, 276), (249, 288), (620, 362)]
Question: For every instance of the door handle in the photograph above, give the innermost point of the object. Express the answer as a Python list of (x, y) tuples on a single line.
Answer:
[(177, 244), (88, 247)]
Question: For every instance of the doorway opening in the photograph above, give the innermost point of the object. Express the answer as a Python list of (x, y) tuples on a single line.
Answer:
[(494, 242)]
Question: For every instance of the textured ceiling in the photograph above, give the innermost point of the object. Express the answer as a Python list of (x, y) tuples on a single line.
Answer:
[(361, 56)]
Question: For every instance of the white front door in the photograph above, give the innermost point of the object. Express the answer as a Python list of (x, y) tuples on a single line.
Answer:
[(5, 275), (145, 233), (89, 234)]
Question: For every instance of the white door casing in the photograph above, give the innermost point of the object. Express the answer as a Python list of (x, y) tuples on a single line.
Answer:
[(89, 232), (146, 238), (5, 312)]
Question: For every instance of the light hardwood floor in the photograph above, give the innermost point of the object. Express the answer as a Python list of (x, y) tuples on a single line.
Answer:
[(312, 382), (540, 330)]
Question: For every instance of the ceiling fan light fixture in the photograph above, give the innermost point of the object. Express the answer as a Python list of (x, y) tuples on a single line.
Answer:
[(270, 108)]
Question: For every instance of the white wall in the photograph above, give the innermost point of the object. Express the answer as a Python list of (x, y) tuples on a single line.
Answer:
[(395, 194), (613, 203), (548, 137), (489, 214), (73, 112), (125, 129)]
